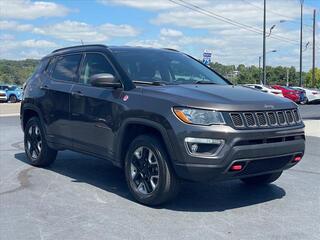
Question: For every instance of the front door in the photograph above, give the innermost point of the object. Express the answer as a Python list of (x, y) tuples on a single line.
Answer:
[(93, 108)]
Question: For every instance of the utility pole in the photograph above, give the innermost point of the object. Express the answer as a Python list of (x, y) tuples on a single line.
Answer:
[(264, 80), (287, 77), (260, 81), (314, 50), (301, 22)]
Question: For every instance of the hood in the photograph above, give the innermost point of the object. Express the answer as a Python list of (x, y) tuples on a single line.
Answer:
[(218, 97)]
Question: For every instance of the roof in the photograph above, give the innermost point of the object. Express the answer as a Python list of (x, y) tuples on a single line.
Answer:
[(102, 46), (79, 47)]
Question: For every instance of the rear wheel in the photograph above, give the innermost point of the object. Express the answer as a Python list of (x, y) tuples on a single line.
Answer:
[(36, 147), (13, 99), (149, 176), (262, 179)]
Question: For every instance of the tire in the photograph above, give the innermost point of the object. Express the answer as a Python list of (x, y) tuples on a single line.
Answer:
[(262, 179), (13, 99), (305, 101), (150, 178), (36, 148)]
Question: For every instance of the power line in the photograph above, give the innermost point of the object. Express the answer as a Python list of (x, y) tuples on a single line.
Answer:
[(230, 21), (276, 13)]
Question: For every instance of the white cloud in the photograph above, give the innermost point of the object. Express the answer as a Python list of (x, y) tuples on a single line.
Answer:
[(30, 43), (232, 44), (148, 4), (15, 26), (27, 9), (76, 31), (6, 37), (141, 4), (31, 48), (167, 32)]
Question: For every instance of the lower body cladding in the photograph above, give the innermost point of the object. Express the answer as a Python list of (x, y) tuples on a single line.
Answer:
[(223, 153)]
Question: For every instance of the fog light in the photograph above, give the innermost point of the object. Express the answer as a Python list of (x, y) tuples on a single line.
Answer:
[(194, 148), (203, 147)]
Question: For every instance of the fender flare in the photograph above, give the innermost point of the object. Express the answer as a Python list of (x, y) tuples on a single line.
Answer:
[(146, 122), (29, 106)]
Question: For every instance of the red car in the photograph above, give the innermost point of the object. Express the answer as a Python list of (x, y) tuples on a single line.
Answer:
[(287, 92)]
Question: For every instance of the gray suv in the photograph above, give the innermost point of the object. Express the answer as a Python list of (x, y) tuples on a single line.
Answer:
[(159, 114)]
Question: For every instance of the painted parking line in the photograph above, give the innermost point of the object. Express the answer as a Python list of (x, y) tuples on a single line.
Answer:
[(10, 115)]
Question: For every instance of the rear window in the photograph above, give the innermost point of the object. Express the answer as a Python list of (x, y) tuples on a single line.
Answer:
[(66, 67)]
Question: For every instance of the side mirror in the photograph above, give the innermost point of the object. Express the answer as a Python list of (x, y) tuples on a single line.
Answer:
[(104, 80)]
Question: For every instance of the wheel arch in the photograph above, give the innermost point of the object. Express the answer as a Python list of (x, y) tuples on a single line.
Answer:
[(134, 127), (28, 112)]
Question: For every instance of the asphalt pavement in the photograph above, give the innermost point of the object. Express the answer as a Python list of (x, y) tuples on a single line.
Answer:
[(81, 197)]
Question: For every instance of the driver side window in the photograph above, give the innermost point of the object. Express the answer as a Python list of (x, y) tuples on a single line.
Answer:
[(94, 63)]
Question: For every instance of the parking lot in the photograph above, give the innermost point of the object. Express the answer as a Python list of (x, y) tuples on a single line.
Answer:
[(81, 197)]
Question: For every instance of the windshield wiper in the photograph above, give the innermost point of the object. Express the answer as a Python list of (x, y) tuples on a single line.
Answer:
[(155, 83), (204, 82)]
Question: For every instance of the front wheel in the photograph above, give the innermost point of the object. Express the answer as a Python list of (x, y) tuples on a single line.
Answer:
[(13, 99), (37, 150), (262, 179), (149, 176)]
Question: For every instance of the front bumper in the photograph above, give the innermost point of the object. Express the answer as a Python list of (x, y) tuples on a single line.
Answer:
[(261, 151), (3, 98)]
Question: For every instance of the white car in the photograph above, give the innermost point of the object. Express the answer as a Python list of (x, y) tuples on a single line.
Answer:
[(3, 96), (311, 94), (265, 89)]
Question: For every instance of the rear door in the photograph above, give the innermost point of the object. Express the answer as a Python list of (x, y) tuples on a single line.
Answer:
[(93, 108), (56, 103)]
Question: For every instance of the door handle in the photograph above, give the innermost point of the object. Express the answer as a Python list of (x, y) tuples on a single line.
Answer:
[(45, 87), (77, 93)]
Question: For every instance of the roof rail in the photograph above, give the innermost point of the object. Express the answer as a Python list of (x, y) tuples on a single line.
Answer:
[(79, 46), (171, 49)]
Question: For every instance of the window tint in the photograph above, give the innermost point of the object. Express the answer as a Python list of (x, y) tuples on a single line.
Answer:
[(94, 63), (66, 67), (50, 65), (165, 66)]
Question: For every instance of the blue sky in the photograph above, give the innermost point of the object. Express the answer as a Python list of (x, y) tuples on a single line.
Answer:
[(232, 31)]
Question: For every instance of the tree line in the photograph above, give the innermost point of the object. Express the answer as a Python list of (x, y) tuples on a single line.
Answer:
[(17, 72), (275, 75)]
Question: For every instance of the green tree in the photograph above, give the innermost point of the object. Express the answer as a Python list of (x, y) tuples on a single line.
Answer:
[(308, 78)]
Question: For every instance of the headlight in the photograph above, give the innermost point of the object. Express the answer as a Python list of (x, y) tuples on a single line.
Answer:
[(198, 116)]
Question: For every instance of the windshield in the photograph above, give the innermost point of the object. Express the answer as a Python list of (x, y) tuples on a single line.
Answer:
[(12, 88), (165, 67)]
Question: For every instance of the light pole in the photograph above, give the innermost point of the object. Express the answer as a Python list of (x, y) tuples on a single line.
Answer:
[(264, 43), (301, 22), (261, 82)]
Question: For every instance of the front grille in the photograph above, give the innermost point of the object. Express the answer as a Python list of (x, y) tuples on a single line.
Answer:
[(250, 120), (296, 116), (281, 118), (237, 119), (262, 120), (289, 117), (272, 118), (265, 119)]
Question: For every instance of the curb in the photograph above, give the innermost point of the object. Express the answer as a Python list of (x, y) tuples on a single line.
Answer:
[(10, 115)]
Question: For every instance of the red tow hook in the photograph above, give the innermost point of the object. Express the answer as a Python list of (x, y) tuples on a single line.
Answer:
[(297, 158), (236, 167)]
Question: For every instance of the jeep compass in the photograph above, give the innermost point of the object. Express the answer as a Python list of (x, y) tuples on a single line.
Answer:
[(159, 114)]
